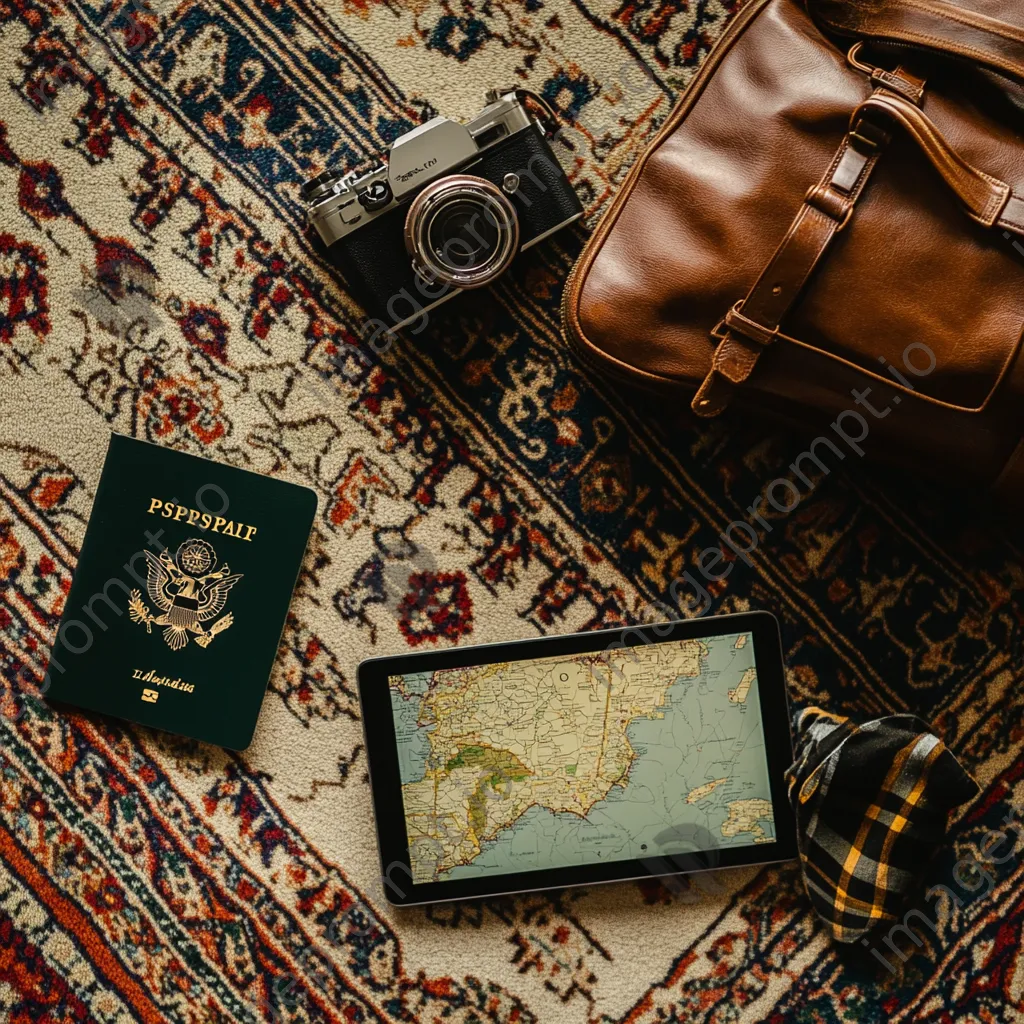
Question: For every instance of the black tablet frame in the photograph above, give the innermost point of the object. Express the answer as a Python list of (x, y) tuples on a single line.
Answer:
[(382, 757)]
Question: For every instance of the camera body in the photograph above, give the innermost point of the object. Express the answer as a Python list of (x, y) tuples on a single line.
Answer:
[(447, 211)]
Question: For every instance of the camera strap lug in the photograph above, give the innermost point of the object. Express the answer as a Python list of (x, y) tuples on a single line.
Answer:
[(546, 113)]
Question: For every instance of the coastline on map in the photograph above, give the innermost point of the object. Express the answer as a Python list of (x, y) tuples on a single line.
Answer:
[(682, 742)]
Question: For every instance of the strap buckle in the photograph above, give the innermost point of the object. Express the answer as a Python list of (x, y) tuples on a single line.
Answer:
[(734, 322), (720, 332)]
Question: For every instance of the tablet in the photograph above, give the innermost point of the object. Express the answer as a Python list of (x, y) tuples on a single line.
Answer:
[(621, 754)]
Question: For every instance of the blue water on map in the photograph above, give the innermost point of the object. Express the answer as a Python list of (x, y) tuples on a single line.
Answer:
[(413, 741)]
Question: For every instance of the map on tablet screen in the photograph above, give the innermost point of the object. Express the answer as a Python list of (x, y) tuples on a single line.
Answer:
[(623, 754)]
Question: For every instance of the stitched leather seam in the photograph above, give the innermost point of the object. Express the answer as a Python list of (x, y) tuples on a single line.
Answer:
[(996, 203), (1010, 222), (941, 43), (891, 81), (909, 392), (690, 386), (895, 33), (992, 26)]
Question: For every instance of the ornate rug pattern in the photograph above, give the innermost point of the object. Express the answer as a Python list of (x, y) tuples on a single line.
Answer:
[(155, 280)]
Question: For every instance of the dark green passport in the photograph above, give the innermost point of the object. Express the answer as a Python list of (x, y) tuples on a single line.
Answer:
[(180, 595)]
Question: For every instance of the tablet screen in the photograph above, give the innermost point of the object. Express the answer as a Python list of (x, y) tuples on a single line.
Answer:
[(621, 754)]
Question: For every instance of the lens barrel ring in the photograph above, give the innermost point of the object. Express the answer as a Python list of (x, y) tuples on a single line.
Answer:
[(424, 221)]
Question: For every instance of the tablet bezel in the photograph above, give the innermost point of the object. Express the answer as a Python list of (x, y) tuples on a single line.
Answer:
[(385, 780)]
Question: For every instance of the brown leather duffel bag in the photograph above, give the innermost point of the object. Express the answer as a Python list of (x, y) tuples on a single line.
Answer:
[(830, 224)]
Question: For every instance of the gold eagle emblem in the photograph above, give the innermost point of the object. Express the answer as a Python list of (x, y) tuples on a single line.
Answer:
[(189, 591)]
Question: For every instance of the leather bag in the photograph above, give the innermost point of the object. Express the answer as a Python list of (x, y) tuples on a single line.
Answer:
[(831, 222)]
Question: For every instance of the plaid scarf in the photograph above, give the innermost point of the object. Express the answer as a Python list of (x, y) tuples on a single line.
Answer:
[(871, 804)]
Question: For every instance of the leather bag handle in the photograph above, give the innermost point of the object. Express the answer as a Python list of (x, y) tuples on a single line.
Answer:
[(987, 200), (956, 29)]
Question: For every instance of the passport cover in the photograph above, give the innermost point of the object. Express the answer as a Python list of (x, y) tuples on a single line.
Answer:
[(179, 598)]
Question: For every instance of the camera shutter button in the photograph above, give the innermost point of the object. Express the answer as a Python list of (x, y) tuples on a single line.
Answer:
[(375, 196)]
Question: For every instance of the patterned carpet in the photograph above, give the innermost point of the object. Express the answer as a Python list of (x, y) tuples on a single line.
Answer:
[(155, 280)]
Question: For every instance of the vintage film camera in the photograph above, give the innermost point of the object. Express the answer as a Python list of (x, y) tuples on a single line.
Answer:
[(448, 210)]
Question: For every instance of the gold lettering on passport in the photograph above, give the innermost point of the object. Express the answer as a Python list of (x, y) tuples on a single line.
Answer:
[(155, 679), (201, 520), (188, 591)]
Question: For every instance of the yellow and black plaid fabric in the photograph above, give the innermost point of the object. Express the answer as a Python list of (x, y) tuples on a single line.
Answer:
[(871, 804)]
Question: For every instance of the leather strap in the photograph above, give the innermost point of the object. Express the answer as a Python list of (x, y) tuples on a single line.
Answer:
[(753, 323), (989, 201)]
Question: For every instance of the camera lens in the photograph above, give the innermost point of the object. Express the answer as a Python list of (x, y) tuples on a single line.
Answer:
[(464, 234), (461, 230)]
